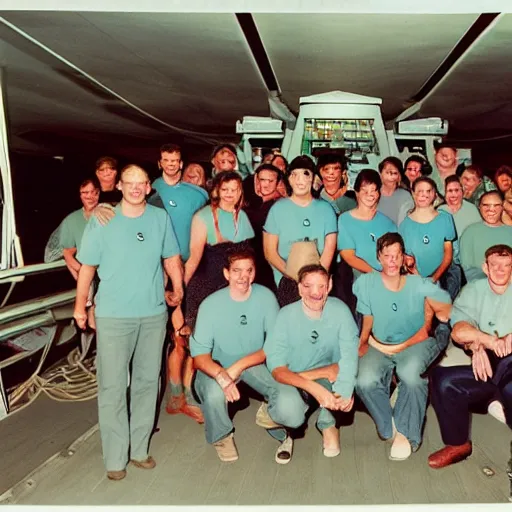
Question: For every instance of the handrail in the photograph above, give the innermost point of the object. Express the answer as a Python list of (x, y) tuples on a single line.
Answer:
[(37, 268)]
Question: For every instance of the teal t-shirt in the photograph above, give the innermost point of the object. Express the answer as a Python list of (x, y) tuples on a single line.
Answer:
[(475, 240), (466, 215), (72, 230), (478, 305), (426, 241), (128, 253), (342, 204), (396, 315), (362, 235), (230, 330), (231, 231), (293, 223), (181, 201), (302, 343)]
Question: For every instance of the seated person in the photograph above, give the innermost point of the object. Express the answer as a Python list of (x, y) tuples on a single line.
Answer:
[(482, 323), (395, 336), (227, 348), (474, 184), (332, 169), (395, 201), (359, 229), (299, 218), (478, 237), (313, 347)]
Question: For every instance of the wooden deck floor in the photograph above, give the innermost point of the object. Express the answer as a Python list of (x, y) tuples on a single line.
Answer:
[(189, 473)]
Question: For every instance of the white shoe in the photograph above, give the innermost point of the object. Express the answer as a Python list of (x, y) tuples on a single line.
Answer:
[(497, 411), (401, 448), (284, 451)]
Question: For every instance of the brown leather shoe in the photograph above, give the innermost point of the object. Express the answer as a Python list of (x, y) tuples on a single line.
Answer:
[(149, 463), (116, 475), (450, 455)]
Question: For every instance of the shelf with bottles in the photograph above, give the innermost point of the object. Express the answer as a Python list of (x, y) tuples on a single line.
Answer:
[(339, 130)]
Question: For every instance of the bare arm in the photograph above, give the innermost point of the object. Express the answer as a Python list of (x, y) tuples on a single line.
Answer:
[(236, 369), (466, 334), (349, 255), (198, 237), (85, 277), (447, 260), (270, 243), (207, 365), (71, 262), (366, 330), (174, 269), (441, 309), (329, 250), (329, 372)]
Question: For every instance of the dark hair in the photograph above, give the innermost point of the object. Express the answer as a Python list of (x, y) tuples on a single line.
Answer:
[(240, 254), (170, 148), (269, 167), (331, 159), (503, 169), (302, 162), (394, 161), (106, 160), (500, 250), (475, 170), (390, 238), (367, 177), (90, 181), (453, 178), (488, 193), (441, 145), (420, 160), (424, 179), (311, 269), (220, 147)]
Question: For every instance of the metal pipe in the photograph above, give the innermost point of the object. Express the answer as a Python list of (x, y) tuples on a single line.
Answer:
[(38, 268)]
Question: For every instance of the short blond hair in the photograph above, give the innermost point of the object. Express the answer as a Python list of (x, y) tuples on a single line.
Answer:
[(133, 167)]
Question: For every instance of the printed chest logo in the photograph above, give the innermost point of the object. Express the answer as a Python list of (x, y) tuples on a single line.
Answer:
[(243, 320), (173, 203), (394, 307), (306, 223), (373, 237), (491, 324), (140, 237), (426, 239), (314, 336)]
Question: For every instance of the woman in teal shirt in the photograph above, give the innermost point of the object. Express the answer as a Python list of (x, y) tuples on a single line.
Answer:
[(216, 229)]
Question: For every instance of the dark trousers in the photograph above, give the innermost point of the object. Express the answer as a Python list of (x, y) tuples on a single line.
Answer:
[(455, 393)]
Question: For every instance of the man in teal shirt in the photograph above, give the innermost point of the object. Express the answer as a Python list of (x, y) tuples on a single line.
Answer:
[(313, 347), (131, 316), (227, 347)]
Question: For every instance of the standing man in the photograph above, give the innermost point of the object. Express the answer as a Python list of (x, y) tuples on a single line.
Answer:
[(106, 172), (482, 323), (313, 347), (131, 316), (227, 347), (446, 164), (181, 201)]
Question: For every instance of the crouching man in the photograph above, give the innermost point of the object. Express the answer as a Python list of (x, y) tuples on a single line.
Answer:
[(482, 323), (314, 344), (227, 347), (131, 316)]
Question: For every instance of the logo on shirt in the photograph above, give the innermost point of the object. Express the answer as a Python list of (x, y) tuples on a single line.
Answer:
[(491, 324), (306, 223), (314, 336), (243, 320), (426, 239), (394, 307), (373, 237), (172, 203), (140, 237)]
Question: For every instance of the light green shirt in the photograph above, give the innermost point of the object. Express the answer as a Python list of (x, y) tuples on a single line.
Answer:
[(72, 230)]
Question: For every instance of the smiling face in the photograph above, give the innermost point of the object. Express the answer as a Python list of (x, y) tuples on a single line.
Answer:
[(106, 174), (413, 171), (229, 193), (171, 164), (368, 195), (470, 182), (390, 176), (332, 174), (423, 194), (240, 275), (491, 208), (454, 195), (314, 289), (134, 185), (446, 158), (391, 258), (498, 269), (301, 181), (89, 196)]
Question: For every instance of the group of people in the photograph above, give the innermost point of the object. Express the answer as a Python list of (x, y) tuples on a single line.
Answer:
[(306, 291)]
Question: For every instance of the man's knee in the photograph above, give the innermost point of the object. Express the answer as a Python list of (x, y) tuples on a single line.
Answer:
[(287, 407), (411, 376), (367, 380), (211, 394)]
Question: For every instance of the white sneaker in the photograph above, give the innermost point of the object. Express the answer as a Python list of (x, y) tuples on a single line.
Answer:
[(401, 448), (284, 451), (497, 411)]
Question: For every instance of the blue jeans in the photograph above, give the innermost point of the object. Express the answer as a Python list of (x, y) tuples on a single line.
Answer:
[(325, 418), (285, 405), (373, 387), (451, 280)]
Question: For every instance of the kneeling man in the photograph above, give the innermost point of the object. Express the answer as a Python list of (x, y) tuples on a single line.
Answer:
[(313, 347), (395, 336), (482, 323), (227, 347)]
